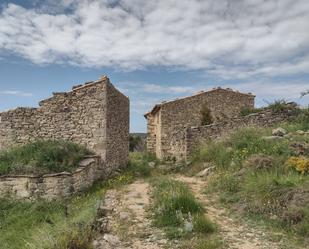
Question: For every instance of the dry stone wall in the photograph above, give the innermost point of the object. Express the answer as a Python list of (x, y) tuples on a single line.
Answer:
[(53, 186), (187, 140)]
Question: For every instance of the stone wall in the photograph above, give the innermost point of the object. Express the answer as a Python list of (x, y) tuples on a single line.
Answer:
[(95, 115), (187, 140), (117, 128), (53, 186), (176, 115)]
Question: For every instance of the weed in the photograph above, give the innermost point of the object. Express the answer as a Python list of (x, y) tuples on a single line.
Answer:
[(206, 117)]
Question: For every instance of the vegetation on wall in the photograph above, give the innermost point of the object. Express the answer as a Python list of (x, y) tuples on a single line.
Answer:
[(206, 117), (40, 157)]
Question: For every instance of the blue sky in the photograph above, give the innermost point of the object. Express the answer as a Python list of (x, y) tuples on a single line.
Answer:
[(153, 50)]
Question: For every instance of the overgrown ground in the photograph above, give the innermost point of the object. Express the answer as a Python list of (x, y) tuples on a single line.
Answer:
[(261, 177), (50, 156), (257, 196), (54, 225)]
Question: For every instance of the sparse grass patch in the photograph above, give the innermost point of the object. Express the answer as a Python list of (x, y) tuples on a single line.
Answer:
[(41, 157), (177, 211)]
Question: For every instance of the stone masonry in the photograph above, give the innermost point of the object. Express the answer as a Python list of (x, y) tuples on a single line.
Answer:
[(165, 120), (53, 186), (95, 114)]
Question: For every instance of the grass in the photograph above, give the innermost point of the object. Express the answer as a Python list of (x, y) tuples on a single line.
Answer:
[(177, 211), (65, 224), (139, 164), (249, 110), (277, 194), (42, 157)]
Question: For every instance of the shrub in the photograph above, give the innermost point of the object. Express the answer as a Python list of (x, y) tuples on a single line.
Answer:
[(300, 164), (245, 111), (259, 162), (173, 203), (79, 236), (202, 224), (139, 163), (278, 106), (213, 152), (42, 157), (206, 117)]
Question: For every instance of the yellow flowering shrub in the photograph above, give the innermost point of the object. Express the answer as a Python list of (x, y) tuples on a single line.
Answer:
[(301, 164)]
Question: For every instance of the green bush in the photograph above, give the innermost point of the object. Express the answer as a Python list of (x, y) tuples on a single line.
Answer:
[(42, 157)]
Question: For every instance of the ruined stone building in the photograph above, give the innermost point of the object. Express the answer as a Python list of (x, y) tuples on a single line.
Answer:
[(95, 114), (166, 121)]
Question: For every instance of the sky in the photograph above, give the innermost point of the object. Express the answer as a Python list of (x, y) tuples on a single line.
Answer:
[(154, 50)]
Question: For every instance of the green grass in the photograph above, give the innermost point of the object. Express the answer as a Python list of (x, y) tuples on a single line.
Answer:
[(63, 224), (139, 164), (177, 211), (277, 194), (41, 157)]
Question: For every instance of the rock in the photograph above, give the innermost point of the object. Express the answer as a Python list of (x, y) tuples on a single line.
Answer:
[(188, 226), (272, 138), (300, 132), (104, 211), (300, 149), (111, 239), (124, 215), (206, 172), (259, 162), (151, 164), (279, 132)]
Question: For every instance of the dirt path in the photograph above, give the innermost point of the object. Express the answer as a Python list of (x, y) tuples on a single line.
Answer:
[(236, 234), (127, 223)]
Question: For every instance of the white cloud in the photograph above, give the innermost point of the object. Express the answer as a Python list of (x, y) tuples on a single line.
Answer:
[(227, 38), (155, 88), (16, 93), (267, 90)]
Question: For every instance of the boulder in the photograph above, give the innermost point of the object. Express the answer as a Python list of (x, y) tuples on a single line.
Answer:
[(259, 162), (300, 132), (279, 132), (206, 172), (151, 164), (272, 138), (300, 149)]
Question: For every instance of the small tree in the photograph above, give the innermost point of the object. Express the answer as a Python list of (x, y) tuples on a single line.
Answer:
[(206, 117)]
